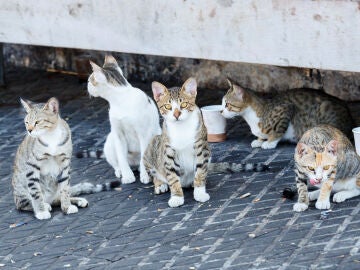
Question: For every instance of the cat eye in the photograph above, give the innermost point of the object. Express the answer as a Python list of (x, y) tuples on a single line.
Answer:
[(311, 168), (326, 167), (168, 106), (184, 104)]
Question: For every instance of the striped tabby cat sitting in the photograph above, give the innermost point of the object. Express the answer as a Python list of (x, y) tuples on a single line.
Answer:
[(179, 157), (325, 159), (42, 164), (285, 116)]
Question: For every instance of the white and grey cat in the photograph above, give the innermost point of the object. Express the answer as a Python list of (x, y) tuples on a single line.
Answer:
[(42, 164), (133, 116)]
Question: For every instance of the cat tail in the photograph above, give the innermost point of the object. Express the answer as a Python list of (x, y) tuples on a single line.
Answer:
[(87, 188), (228, 167), (90, 153)]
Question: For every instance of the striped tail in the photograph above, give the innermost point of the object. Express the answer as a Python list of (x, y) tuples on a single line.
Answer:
[(227, 167), (90, 154), (87, 188)]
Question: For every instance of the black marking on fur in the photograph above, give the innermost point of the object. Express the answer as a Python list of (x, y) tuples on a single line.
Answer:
[(65, 140), (65, 158), (260, 167), (34, 179), (33, 165), (31, 184), (174, 171), (42, 143), (63, 179), (289, 192), (149, 100), (112, 74), (29, 174), (114, 184)]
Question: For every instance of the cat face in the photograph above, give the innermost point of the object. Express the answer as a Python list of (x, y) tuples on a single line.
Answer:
[(40, 117), (175, 104), (234, 102), (102, 78), (318, 166)]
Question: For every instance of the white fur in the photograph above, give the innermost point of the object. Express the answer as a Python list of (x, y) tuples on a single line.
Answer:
[(313, 195), (161, 189), (43, 215), (299, 207), (200, 194), (176, 201), (290, 134), (325, 204), (134, 121), (72, 209)]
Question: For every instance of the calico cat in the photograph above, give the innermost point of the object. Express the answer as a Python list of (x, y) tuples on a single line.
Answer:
[(42, 164), (326, 159), (179, 157), (134, 119), (285, 116)]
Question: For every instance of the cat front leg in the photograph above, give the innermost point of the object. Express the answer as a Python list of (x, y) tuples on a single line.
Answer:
[(110, 153), (63, 181), (172, 172), (257, 143), (144, 176), (323, 201), (202, 162), (127, 175), (303, 197)]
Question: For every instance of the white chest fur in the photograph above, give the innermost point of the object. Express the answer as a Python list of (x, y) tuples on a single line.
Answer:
[(253, 120), (53, 139)]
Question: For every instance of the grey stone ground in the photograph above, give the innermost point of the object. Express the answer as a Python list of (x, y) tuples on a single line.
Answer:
[(134, 229)]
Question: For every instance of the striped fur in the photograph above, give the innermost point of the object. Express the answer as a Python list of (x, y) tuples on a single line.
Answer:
[(285, 117), (325, 158), (41, 174), (179, 157)]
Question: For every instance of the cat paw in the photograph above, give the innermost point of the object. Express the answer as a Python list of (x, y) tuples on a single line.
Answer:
[(47, 207), (339, 197), (72, 209), (200, 194), (128, 178), (299, 207), (117, 173), (161, 189), (82, 202), (176, 201), (322, 204), (144, 178), (269, 145), (43, 215), (256, 143)]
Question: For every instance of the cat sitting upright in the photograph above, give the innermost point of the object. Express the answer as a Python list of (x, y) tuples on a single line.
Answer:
[(326, 159), (133, 116), (41, 175), (285, 116)]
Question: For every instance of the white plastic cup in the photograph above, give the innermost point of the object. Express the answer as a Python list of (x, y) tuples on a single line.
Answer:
[(215, 123), (356, 132)]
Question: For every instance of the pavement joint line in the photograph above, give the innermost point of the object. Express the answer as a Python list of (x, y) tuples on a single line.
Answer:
[(211, 250), (135, 216)]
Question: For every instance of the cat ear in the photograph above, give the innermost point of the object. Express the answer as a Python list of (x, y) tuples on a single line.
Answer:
[(52, 105), (158, 90), (190, 86), (229, 82), (332, 146), (26, 104), (239, 91), (302, 149), (109, 59), (98, 73)]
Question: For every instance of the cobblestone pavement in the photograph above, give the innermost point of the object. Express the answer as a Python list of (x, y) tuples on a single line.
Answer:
[(135, 229)]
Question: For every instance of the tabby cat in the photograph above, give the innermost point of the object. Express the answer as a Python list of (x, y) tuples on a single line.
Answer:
[(179, 157), (134, 119), (325, 159), (42, 164), (285, 116)]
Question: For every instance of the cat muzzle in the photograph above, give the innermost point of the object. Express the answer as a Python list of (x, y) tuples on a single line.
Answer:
[(315, 182)]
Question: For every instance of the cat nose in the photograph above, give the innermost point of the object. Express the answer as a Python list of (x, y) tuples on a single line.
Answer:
[(30, 128), (177, 114), (221, 111)]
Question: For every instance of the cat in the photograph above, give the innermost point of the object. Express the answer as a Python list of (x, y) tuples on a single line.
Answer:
[(326, 159), (134, 119), (180, 156), (285, 116), (41, 176)]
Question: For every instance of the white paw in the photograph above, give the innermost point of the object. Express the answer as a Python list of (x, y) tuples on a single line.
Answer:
[(256, 143), (269, 145), (339, 197), (176, 201), (322, 204), (82, 202), (144, 178), (117, 173), (299, 207), (161, 189), (47, 207), (43, 215), (72, 209), (313, 195), (200, 194), (128, 178)]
